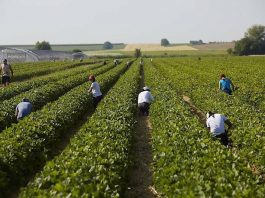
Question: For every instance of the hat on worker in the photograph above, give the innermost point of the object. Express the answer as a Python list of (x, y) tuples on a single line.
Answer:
[(25, 100), (146, 88), (209, 114)]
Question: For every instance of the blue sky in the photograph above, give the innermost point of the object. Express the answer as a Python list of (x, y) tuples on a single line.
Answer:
[(128, 21)]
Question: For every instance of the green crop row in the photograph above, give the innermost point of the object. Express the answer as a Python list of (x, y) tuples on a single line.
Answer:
[(28, 73), (186, 161), (248, 134), (95, 162), (26, 146), (246, 72), (19, 87), (44, 94)]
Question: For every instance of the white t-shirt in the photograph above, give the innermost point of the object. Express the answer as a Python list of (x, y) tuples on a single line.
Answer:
[(95, 89), (5, 69), (145, 96), (216, 124)]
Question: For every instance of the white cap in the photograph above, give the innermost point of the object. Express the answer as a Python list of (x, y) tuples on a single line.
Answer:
[(146, 88)]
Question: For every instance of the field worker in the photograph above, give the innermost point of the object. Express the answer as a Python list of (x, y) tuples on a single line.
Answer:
[(104, 63), (23, 109), (6, 71), (116, 62), (216, 124), (226, 85), (128, 64), (144, 100), (95, 89)]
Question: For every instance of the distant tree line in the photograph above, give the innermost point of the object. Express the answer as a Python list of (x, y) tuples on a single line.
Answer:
[(252, 44), (199, 42), (44, 45)]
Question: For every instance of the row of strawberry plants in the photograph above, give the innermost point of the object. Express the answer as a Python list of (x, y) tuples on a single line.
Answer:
[(96, 161), (24, 147), (51, 67), (248, 133), (19, 87), (44, 94), (186, 162)]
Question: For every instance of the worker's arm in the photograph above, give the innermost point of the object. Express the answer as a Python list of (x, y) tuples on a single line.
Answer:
[(90, 89), (16, 112), (220, 85), (232, 85), (229, 124), (11, 70)]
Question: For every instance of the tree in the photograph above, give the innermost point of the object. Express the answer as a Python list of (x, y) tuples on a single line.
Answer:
[(44, 45), (256, 32), (137, 52), (164, 42), (253, 42), (230, 51), (107, 45)]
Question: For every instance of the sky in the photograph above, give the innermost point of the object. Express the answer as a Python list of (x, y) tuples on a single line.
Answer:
[(126, 21)]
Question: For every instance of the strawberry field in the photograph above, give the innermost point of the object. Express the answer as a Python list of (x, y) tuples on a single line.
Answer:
[(67, 148)]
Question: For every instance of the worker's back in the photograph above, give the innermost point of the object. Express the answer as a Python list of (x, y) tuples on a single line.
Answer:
[(216, 123), (145, 96), (24, 108), (225, 84)]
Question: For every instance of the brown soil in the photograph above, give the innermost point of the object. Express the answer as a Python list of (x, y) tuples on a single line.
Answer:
[(140, 175), (195, 110)]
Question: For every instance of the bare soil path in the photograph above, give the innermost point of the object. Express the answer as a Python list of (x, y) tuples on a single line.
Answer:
[(140, 174), (195, 110)]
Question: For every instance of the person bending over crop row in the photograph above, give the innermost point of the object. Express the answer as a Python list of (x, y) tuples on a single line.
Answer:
[(23, 109), (95, 89), (144, 101), (216, 124), (226, 85)]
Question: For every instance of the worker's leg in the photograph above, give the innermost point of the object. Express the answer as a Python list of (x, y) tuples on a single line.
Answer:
[(4, 80), (228, 91), (146, 107), (224, 139), (96, 100), (7, 80), (141, 108)]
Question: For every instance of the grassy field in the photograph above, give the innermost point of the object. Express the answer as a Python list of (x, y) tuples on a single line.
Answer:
[(158, 53), (156, 47), (120, 49)]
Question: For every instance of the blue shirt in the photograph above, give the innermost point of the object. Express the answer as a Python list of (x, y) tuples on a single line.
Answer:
[(225, 84), (23, 109)]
